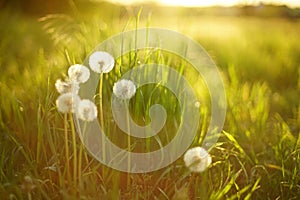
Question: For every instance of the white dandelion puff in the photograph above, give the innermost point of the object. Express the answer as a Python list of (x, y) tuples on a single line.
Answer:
[(66, 86), (67, 102), (124, 89), (101, 62), (197, 104), (79, 73), (87, 110), (197, 159)]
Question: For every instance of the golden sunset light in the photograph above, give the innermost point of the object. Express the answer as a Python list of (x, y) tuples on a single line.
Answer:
[(150, 99), (205, 3)]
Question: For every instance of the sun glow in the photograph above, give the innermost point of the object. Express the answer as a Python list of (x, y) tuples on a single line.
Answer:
[(193, 3), (205, 3)]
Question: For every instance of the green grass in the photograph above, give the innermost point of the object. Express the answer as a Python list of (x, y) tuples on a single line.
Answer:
[(256, 157)]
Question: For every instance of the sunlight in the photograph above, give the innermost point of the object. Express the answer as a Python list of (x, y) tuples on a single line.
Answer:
[(193, 3), (205, 3)]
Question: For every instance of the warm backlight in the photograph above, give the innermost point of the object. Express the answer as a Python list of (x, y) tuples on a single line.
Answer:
[(204, 3)]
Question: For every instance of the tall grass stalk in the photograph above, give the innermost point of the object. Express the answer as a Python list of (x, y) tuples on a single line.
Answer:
[(67, 147), (74, 145), (80, 157)]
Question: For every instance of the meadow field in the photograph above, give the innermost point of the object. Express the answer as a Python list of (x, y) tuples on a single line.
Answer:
[(256, 157)]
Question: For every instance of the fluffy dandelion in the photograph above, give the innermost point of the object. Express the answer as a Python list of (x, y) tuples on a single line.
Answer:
[(101, 62), (197, 159), (87, 110), (67, 102), (197, 104), (66, 86), (79, 73), (124, 89)]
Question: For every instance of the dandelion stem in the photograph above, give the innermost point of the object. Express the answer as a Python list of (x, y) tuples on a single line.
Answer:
[(101, 113), (128, 144), (80, 164), (67, 147), (80, 156), (74, 151), (101, 120), (29, 196)]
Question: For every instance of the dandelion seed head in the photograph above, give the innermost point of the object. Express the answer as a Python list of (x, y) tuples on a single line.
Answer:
[(197, 159), (67, 102), (87, 110), (124, 89), (197, 104), (79, 73), (66, 86), (101, 62)]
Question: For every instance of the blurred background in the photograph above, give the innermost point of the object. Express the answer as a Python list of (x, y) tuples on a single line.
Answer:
[(258, 38)]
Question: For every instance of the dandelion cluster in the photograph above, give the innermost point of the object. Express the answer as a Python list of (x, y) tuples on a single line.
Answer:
[(69, 100), (197, 159)]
